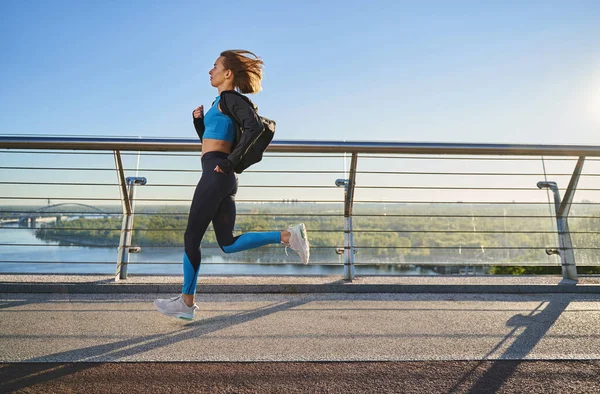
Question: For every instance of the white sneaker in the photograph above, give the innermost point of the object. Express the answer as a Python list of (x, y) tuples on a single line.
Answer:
[(175, 307), (299, 241)]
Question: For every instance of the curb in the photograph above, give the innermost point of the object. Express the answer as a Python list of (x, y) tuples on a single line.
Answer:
[(92, 288)]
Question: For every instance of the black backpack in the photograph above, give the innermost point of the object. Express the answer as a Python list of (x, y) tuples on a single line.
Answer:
[(254, 152)]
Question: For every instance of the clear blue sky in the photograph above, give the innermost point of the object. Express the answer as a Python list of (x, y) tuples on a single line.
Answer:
[(448, 71)]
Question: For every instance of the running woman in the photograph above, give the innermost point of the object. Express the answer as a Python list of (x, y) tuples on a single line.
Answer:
[(214, 198)]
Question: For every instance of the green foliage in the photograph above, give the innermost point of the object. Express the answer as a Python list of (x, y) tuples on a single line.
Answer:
[(524, 270), (99, 231), (529, 270)]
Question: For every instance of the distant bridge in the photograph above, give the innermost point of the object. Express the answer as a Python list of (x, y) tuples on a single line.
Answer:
[(58, 212), (49, 208)]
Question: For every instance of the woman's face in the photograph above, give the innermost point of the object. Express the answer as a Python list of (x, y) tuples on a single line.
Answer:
[(218, 74)]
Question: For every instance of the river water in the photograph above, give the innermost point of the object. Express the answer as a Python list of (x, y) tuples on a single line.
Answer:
[(22, 252)]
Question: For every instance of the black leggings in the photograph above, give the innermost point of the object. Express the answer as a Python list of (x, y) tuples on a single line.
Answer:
[(214, 201)]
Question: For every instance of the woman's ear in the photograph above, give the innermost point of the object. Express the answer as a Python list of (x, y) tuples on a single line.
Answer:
[(228, 74)]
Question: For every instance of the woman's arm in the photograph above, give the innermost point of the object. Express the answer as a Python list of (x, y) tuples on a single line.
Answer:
[(198, 116)]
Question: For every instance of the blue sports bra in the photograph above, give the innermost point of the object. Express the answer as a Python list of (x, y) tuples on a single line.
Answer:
[(218, 126)]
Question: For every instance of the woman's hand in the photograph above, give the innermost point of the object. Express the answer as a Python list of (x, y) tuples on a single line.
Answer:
[(224, 166), (199, 112)]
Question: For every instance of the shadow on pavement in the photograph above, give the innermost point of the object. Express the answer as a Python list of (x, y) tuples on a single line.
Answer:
[(536, 324), (14, 377)]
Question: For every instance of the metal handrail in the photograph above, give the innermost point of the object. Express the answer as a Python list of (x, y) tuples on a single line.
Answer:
[(299, 146)]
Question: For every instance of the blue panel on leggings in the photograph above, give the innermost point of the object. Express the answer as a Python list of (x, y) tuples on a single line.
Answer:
[(253, 240), (190, 276)]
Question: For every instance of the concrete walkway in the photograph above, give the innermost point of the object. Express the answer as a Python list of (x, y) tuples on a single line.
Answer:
[(301, 327), (301, 335), (94, 284)]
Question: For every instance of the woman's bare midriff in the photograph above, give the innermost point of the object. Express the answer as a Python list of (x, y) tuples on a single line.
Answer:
[(210, 145)]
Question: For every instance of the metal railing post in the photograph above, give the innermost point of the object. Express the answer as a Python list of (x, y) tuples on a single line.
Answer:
[(349, 249), (562, 208), (127, 188)]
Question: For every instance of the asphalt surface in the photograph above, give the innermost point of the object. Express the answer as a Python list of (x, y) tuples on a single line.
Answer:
[(140, 284), (395, 342), (371, 377), (301, 327)]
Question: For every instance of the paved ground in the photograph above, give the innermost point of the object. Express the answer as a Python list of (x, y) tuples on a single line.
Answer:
[(14, 283), (301, 327), (427, 377), (328, 342)]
